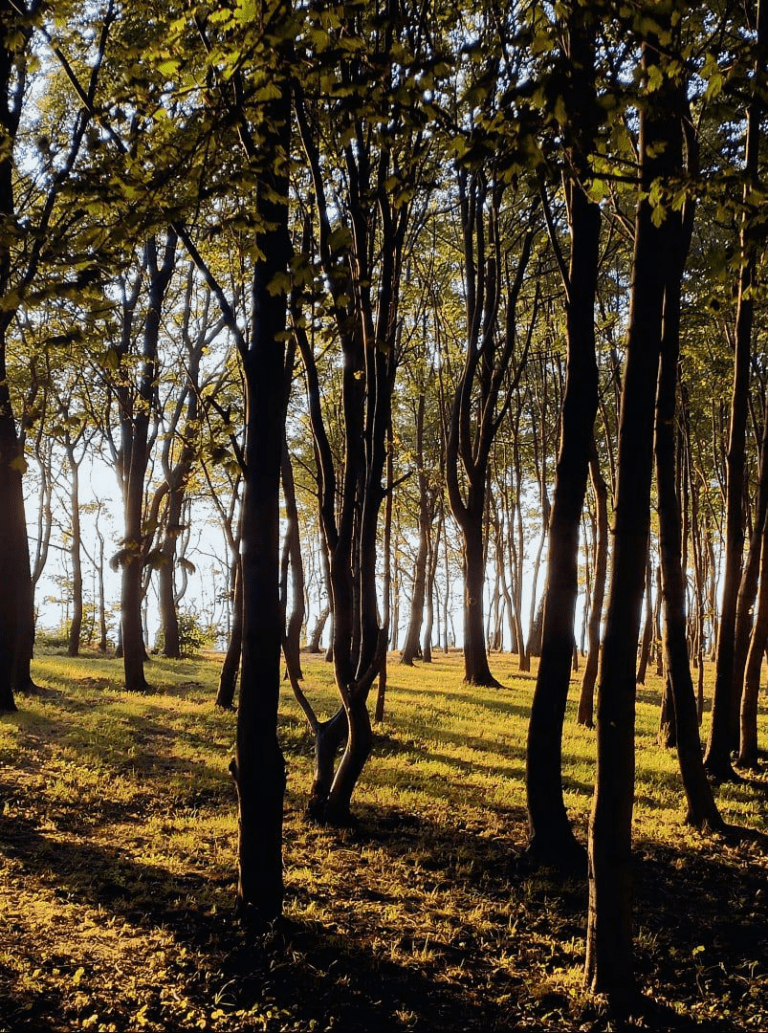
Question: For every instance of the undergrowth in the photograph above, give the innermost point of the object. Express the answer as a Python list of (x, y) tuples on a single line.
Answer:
[(117, 872)]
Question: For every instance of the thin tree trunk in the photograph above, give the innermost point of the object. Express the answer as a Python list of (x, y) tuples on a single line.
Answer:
[(723, 734), (682, 722), (225, 696), (551, 836), (587, 692)]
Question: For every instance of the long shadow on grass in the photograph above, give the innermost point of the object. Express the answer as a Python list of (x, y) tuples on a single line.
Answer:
[(414, 752), (306, 972)]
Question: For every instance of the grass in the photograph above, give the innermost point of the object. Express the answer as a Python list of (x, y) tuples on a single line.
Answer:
[(117, 870)]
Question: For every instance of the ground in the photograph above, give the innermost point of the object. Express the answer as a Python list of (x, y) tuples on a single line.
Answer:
[(117, 870)]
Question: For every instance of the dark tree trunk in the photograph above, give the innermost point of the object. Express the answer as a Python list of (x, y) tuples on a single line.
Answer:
[(609, 962), (551, 838), (386, 587), (748, 742), (476, 668), (682, 722), (413, 636), (258, 766), (587, 693), (723, 735), (14, 524), (291, 557), (136, 458), (649, 625), (225, 696), (667, 735), (75, 628), (169, 618)]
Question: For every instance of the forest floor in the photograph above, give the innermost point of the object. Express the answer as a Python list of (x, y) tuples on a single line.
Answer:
[(117, 870)]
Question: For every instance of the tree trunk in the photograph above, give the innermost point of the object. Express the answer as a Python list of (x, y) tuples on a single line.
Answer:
[(169, 618), (587, 693), (609, 962), (75, 628), (413, 636), (723, 735), (292, 558), (258, 766), (683, 722), (551, 836), (313, 646), (476, 668), (225, 696), (648, 628), (748, 742)]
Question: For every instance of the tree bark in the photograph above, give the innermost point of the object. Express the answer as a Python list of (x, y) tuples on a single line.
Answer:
[(412, 642), (225, 696), (609, 961), (551, 836), (723, 735), (587, 693), (682, 722), (258, 766)]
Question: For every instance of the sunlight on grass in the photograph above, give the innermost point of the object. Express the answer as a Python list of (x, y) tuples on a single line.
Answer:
[(118, 879)]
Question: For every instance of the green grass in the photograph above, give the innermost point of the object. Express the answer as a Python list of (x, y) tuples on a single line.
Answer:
[(117, 869)]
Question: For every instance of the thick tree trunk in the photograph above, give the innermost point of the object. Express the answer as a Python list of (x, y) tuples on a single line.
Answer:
[(609, 962), (258, 766)]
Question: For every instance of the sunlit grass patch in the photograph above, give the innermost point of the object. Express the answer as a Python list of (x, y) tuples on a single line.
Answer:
[(117, 874)]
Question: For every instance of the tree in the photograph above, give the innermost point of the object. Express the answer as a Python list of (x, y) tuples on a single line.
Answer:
[(19, 266), (722, 737), (551, 837), (609, 966), (483, 391)]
